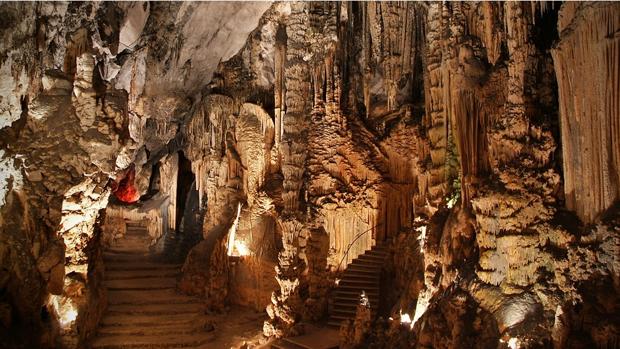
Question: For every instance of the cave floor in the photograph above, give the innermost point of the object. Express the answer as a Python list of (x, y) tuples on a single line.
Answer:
[(145, 310), (314, 338)]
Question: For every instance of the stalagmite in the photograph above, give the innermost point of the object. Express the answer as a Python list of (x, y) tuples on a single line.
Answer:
[(302, 174)]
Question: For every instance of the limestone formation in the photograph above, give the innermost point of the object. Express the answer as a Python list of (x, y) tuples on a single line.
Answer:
[(455, 162)]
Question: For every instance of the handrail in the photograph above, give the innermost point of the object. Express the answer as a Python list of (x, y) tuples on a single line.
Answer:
[(352, 242)]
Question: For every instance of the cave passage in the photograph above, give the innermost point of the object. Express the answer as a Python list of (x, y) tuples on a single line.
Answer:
[(185, 181), (309, 174)]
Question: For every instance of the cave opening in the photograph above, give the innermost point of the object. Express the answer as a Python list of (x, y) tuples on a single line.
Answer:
[(185, 179), (309, 174), (188, 223)]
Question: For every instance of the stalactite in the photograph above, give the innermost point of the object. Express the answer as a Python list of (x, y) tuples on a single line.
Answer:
[(589, 90), (492, 37), (279, 86), (470, 127), (169, 173)]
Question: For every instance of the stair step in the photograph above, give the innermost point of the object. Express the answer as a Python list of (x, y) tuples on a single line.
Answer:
[(152, 341), (360, 283), (348, 312), (137, 250), (378, 254), (134, 230), (355, 299), (346, 306), (157, 309), (140, 265), (379, 251), (340, 319), (367, 263), (158, 296), (141, 229), (144, 309), (125, 257), (360, 276), (141, 283), (363, 267), (132, 240), (137, 320), (131, 244), (334, 323), (172, 329), (372, 258), (140, 273), (355, 289), (136, 234), (372, 294), (358, 270)]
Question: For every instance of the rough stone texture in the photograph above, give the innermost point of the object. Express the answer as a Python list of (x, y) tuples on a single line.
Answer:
[(591, 155), (478, 140), (78, 107), (285, 307)]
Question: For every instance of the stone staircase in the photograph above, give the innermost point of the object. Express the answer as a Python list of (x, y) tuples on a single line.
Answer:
[(144, 309), (363, 274)]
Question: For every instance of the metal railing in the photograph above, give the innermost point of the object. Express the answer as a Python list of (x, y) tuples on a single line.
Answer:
[(346, 253)]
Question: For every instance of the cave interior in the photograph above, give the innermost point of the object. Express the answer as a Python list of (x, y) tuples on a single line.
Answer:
[(318, 175)]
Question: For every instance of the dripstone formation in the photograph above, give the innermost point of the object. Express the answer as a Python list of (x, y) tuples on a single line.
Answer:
[(267, 151)]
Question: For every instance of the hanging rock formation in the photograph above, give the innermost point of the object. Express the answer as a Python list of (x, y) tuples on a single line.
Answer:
[(266, 146)]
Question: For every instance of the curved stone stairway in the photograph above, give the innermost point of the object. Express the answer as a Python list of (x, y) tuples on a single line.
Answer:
[(144, 309), (362, 274)]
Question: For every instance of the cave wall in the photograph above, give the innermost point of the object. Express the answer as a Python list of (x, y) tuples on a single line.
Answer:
[(588, 99), (448, 130), (478, 140), (78, 107)]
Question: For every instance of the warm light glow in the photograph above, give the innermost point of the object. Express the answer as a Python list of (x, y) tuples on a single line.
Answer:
[(364, 301), (513, 343), (421, 237), (65, 311), (452, 201), (241, 249), (232, 232), (405, 319), (421, 306)]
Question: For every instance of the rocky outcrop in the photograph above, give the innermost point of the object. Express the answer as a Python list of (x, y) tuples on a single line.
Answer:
[(479, 141)]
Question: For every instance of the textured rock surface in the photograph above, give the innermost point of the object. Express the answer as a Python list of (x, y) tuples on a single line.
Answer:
[(77, 108), (590, 154), (478, 141)]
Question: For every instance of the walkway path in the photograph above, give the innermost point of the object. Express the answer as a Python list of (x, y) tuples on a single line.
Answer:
[(144, 310)]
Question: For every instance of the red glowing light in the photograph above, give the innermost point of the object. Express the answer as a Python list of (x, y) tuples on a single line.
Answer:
[(125, 189)]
